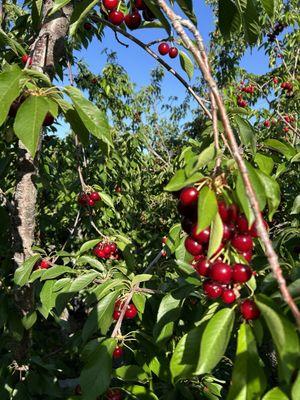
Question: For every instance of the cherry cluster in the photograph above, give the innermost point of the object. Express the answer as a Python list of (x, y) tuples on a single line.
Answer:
[(222, 280), (248, 89), (88, 199), (165, 49), (105, 250), (133, 19), (277, 29), (287, 86), (130, 313)]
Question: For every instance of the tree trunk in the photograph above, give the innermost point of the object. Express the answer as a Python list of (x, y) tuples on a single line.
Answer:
[(46, 51)]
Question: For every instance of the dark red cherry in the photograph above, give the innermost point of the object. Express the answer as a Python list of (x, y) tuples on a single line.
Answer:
[(203, 267), (139, 4), (95, 196), (193, 247), (228, 296), (201, 237), (90, 202), (87, 26), (247, 255), (212, 289), (228, 231), (110, 4), (241, 273), (133, 21), (242, 243), (116, 17), (118, 352), (78, 390), (242, 223), (189, 196), (113, 247), (163, 48), (221, 272), (131, 311), (223, 210), (253, 229), (173, 52), (82, 199), (249, 310), (49, 119), (113, 394), (116, 315), (233, 211)]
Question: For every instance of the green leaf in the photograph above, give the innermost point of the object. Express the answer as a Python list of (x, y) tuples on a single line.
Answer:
[(94, 119), (83, 260), (10, 89), (265, 163), (284, 336), (96, 374), (88, 245), (296, 205), (214, 340), (82, 281), (296, 388), (269, 6), (58, 4), (272, 190), (250, 19), (47, 297), (107, 199), (177, 182), (23, 272), (275, 394), (283, 148), (141, 278), (152, 5), (173, 238), (248, 379), (29, 120), (140, 393), (55, 271), (229, 18), (207, 208), (81, 10), (216, 235), (130, 373), (247, 133), (29, 320), (101, 316), (168, 312), (187, 8), (7, 40), (186, 64), (139, 300)]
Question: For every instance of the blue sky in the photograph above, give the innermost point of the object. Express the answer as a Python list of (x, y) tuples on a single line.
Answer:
[(138, 63)]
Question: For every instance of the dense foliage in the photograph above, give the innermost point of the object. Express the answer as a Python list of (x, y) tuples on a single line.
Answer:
[(147, 278)]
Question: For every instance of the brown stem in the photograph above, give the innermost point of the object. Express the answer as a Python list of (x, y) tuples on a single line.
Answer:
[(197, 51)]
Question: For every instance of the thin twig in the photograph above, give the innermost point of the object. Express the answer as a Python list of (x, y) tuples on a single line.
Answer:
[(263, 234)]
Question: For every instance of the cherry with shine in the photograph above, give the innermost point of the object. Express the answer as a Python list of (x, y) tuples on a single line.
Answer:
[(203, 267), (110, 4), (249, 310), (221, 272), (193, 247), (228, 296), (118, 352), (242, 242), (133, 21), (131, 311), (202, 236), (189, 196), (116, 17), (163, 48), (212, 289), (241, 273), (173, 52)]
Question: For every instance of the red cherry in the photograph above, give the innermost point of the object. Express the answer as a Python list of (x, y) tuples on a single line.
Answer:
[(116, 17), (49, 119), (95, 196), (223, 210), (90, 202), (275, 80), (249, 310), (99, 252), (228, 231), (242, 243), (201, 237), (113, 394), (164, 253), (267, 123), (163, 48), (82, 199), (164, 240), (241, 273), (253, 230), (139, 4), (212, 289), (228, 296), (247, 255), (203, 267), (87, 26), (44, 264), (118, 352), (233, 212), (78, 390), (107, 250), (133, 21), (189, 196), (241, 102), (242, 223), (116, 315), (193, 247), (110, 4), (118, 189), (113, 247), (26, 58), (173, 52), (221, 272), (131, 311)]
